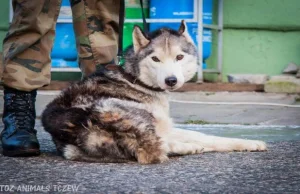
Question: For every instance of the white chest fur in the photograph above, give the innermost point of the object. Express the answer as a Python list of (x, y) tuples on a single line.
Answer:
[(160, 111)]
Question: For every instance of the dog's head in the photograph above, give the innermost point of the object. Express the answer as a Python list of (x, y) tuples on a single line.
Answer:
[(165, 58)]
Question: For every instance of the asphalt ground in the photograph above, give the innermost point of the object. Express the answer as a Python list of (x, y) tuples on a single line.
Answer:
[(249, 112), (274, 171)]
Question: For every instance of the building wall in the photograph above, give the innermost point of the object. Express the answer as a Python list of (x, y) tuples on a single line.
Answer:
[(4, 19), (260, 37)]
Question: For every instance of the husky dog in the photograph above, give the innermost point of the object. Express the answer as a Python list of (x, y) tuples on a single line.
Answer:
[(119, 115)]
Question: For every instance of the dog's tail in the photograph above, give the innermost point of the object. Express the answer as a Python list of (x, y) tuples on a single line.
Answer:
[(63, 122), (71, 129)]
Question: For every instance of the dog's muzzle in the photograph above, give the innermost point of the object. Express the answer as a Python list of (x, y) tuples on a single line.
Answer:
[(171, 81)]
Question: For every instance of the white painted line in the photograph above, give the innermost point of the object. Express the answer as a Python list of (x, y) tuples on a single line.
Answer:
[(238, 126), (49, 92), (236, 103)]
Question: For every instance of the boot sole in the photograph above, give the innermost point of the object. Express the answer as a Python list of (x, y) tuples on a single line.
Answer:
[(21, 153)]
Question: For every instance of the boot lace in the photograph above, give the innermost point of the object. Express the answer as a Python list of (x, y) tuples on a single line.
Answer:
[(22, 108)]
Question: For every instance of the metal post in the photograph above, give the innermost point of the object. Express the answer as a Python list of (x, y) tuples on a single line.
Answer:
[(220, 37), (195, 15), (200, 34), (11, 13)]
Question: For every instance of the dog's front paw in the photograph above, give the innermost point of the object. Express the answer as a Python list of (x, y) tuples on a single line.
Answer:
[(71, 152), (145, 157), (252, 146)]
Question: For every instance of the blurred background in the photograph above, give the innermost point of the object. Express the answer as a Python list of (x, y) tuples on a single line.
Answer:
[(244, 41)]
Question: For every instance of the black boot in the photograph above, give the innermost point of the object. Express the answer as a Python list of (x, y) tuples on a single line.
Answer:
[(19, 136)]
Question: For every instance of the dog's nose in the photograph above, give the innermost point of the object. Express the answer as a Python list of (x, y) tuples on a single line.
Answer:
[(171, 81)]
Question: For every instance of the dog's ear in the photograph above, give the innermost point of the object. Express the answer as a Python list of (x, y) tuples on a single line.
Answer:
[(139, 39), (183, 31)]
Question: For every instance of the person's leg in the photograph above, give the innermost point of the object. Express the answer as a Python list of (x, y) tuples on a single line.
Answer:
[(26, 67), (27, 45), (96, 25)]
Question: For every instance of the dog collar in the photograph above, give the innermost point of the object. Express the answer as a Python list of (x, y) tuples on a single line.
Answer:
[(132, 79)]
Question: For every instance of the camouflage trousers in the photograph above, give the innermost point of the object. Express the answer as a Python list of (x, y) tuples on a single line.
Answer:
[(28, 43)]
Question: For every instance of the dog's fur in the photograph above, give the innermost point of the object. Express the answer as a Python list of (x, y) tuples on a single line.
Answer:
[(119, 115)]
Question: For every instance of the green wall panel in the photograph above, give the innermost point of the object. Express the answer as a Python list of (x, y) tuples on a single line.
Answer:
[(276, 14), (212, 61), (4, 20), (4, 14), (258, 51), (66, 76), (2, 35)]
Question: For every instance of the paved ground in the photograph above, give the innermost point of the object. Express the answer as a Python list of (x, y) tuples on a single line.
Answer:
[(275, 171), (241, 108), (219, 113)]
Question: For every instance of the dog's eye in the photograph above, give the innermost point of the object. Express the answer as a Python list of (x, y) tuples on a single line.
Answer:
[(155, 59), (179, 57)]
